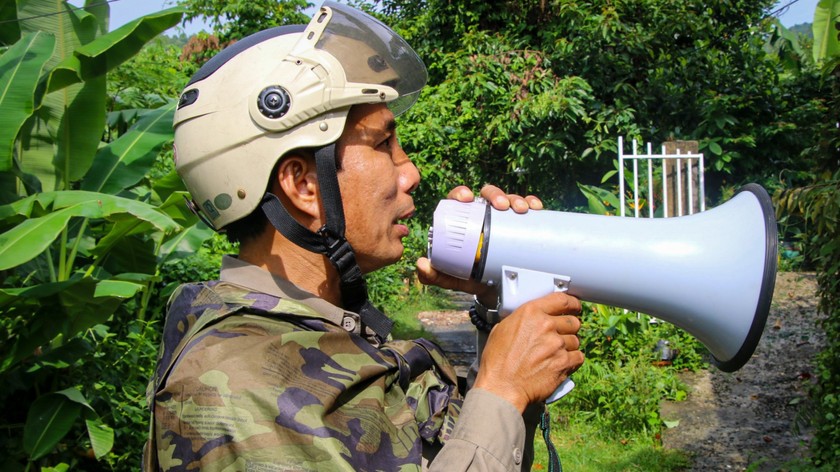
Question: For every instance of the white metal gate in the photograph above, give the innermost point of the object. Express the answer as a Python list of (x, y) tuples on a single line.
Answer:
[(688, 191)]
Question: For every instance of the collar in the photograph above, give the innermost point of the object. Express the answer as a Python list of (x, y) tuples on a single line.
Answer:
[(254, 278)]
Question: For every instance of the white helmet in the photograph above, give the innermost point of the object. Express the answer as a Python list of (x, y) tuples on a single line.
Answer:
[(283, 89)]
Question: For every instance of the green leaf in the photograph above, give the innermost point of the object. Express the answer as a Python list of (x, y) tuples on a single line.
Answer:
[(34, 293), (176, 207), (30, 238), (21, 66), (61, 138), (84, 308), (135, 253), (169, 184), (117, 289), (25, 241), (75, 395), (59, 468), (185, 243), (101, 436), (66, 308), (826, 31), (49, 419), (51, 425), (601, 202), (123, 163), (106, 52)]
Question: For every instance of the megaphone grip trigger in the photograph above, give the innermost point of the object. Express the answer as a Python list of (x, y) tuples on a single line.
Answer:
[(561, 391)]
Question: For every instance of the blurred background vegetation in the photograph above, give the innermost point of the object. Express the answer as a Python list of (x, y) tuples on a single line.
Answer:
[(530, 95)]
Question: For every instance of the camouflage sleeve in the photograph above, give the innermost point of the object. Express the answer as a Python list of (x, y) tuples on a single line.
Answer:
[(489, 436), (262, 395)]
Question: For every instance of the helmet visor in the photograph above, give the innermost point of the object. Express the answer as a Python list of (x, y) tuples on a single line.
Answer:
[(372, 53)]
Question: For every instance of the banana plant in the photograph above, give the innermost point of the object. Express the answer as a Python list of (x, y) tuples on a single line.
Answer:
[(826, 29), (83, 230)]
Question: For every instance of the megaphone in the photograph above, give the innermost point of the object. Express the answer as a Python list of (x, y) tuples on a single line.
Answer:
[(710, 273)]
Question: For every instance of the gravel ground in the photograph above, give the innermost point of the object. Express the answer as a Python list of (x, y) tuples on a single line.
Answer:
[(755, 418), (750, 419)]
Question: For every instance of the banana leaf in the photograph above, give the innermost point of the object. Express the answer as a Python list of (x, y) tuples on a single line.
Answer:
[(826, 29), (20, 67), (108, 51), (61, 138), (124, 162), (31, 237)]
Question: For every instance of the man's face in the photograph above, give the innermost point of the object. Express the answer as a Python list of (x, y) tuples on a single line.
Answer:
[(376, 179)]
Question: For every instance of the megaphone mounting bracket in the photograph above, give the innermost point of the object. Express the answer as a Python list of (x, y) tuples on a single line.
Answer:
[(521, 285)]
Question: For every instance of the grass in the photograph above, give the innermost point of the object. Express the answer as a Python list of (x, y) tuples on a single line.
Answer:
[(582, 447), (404, 313)]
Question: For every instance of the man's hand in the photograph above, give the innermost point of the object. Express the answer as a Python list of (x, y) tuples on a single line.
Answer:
[(535, 348), (500, 201), (530, 352)]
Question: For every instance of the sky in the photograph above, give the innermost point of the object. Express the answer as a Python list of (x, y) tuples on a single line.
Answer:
[(123, 11)]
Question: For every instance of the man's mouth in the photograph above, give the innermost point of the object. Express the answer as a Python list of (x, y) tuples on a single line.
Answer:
[(405, 216)]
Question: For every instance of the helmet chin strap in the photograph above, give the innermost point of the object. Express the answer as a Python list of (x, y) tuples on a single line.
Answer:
[(330, 241)]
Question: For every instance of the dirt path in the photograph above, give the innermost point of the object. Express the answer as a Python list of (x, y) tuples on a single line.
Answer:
[(751, 418), (755, 417)]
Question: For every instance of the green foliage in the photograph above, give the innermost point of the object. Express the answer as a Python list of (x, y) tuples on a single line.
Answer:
[(146, 80), (819, 205), (235, 19), (83, 229), (532, 94), (810, 205), (116, 375), (624, 377), (583, 448), (501, 115)]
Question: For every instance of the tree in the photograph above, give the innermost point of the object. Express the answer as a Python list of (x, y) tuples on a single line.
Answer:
[(653, 70), (234, 19), (813, 198)]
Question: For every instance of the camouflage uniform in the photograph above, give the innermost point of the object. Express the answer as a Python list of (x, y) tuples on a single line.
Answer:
[(255, 374)]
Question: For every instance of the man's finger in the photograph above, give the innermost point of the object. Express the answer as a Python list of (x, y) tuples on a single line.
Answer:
[(429, 276), (461, 193), (559, 304)]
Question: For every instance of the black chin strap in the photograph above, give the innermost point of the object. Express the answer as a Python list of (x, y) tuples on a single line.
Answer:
[(330, 241)]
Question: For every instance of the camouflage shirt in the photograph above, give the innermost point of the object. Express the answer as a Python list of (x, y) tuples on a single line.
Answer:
[(255, 374)]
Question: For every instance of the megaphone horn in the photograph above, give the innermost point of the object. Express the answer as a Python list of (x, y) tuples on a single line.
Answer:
[(710, 273)]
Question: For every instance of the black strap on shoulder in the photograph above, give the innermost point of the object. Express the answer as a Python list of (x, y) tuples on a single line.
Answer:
[(330, 241), (414, 360)]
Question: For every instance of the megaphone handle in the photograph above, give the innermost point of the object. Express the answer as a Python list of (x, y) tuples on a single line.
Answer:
[(520, 285), (561, 391)]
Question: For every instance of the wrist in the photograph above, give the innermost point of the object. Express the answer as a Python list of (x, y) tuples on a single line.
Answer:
[(510, 394)]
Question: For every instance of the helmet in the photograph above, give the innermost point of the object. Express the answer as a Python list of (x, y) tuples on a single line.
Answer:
[(282, 89)]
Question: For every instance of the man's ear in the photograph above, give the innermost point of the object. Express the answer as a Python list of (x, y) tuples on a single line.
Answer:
[(297, 180)]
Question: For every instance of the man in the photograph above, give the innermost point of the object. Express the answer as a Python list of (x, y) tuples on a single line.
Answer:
[(287, 141)]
